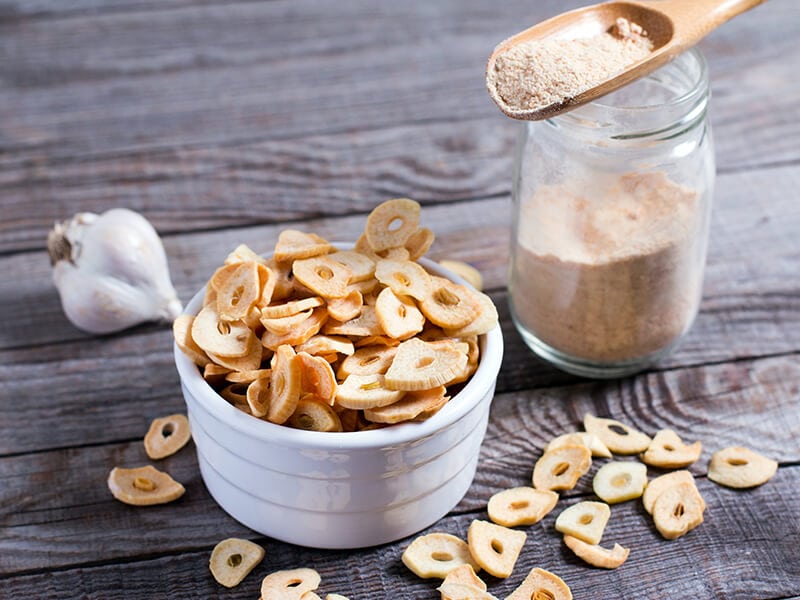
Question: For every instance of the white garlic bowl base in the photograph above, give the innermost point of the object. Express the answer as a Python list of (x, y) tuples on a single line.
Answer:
[(340, 490)]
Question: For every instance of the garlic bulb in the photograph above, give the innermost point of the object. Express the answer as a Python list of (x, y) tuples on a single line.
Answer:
[(111, 271)]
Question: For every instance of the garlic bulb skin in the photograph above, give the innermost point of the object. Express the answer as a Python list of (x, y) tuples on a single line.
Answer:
[(111, 271)]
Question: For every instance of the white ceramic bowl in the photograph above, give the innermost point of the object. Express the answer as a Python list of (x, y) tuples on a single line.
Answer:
[(340, 490)]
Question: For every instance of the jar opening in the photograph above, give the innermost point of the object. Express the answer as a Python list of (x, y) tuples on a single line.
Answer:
[(674, 96)]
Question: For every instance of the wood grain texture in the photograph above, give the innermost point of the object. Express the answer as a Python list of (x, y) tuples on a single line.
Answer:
[(225, 122), (743, 550), (265, 182), (750, 309), (29, 298), (752, 246), (70, 393), (47, 495), (207, 127)]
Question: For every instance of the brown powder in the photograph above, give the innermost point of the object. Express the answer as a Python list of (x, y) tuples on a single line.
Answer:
[(536, 74), (609, 273)]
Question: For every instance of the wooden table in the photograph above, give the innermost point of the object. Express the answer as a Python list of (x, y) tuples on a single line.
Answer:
[(226, 122)]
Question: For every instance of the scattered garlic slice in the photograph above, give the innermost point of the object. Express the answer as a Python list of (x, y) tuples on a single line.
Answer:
[(111, 271), (619, 481)]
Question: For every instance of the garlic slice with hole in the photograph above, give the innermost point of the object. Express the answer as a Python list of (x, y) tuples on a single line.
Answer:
[(111, 271)]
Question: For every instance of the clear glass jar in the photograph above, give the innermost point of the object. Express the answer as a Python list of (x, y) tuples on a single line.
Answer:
[(612, 204)]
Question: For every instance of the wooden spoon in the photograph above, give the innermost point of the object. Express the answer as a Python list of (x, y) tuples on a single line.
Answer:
[(672, 25)]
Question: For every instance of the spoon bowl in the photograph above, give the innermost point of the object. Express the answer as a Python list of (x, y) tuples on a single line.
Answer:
[(672, 26)]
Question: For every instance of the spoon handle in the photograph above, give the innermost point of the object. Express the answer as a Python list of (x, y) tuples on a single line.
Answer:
[(694, 19)]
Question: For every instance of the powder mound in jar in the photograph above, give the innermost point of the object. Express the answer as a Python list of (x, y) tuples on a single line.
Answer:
[(538, 73), (611, 272)]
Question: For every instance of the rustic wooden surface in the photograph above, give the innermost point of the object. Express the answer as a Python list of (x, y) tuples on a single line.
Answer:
[(225, 122)]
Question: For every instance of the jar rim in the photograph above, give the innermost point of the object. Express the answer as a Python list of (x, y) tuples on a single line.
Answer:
[(631, 120)]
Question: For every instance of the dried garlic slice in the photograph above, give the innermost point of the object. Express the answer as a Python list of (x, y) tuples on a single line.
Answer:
[(398, 316), (319, 345), (239, 292), (668, 451), (419, 242), (410, 406), (592, 442), (166, 436), (365, 324), (294, 245), (235, 393), (314, 415), (323, 276), (462, 591), (287, 309), (391, 223), (143, 486), (243, 253), (347, 307), (494, 547), (368, 360), (247, 376), (521, 506), (585, 520), (248, 362), (361, 266), (232, 560), (561, 467), (366, 391), (595, 555), (422, 365), (317, 377), (436, 554), (284, 325), (291, 584), (404, 277), (541, 585), (299, 334), (465, 575), (258, 397), (448, 304), (738, 467), (285, 385), (231, 339), (214, 373), (182, 331), (617, 436), (485, 321), (618, 481), (656, 486), (678, 510)]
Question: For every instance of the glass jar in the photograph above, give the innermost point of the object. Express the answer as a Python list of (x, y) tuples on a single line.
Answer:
[(612, 205)]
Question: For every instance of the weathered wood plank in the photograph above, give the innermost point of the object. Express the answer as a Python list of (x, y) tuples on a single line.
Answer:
[(28, 298), (71, 401), (72, 391), (722, 405), (170, 112), (751, 309), (743, 550), (348, 35), (100, 142), (13, 11), (263, 182), (48, 496), (752, 248)]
